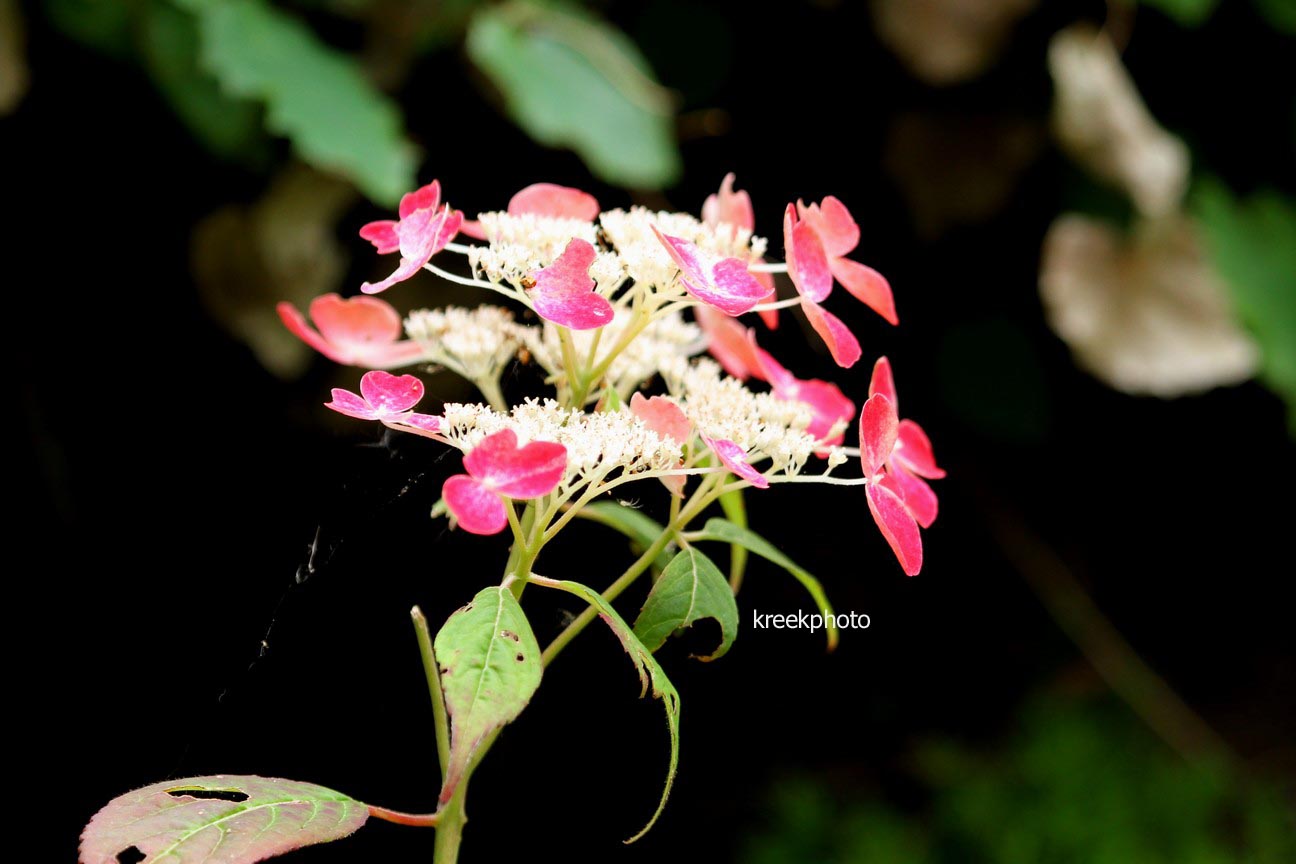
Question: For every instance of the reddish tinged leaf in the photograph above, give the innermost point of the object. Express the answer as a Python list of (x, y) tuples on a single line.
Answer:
[(914, 451), (735, 459), (878, 427), (897, 526), (727, 284), (564, 291), (477, 509), (807, 262), (841, 342), (218, 820), (560, 202)]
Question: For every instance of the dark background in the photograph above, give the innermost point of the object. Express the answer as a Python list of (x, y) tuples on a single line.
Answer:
[(169, 489)]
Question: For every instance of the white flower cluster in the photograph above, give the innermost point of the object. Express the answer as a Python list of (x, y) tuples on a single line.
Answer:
[(521, 244), (475, 343), (596, 443), (723, 407), (662, 343)]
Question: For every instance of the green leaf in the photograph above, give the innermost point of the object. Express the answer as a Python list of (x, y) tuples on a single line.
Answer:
[(490, 667), (735, 507), (227, 819), (572, 80), (688, 590), (1281, 14), (650, 674), (314, 95), (727, 532), (230, 128), (642, 530), (1186, 13), (1253, 245)]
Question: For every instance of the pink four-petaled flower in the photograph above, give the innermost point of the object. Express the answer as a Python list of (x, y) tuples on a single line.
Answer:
[(732, 208), (896, 454), (564, 291), (497, 469), (424, 229), (360, 331), (545, 199), (725, 284), (838, 234), (388, 399)]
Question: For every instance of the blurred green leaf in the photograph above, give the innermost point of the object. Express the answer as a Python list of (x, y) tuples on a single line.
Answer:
[(1188, 13), (1281, 14), (314, 95), (104, 25), (230, 128), (572, 80), (1253, 244)]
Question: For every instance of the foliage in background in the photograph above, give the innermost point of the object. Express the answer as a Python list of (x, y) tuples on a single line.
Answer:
[(1081, 784), (238, 71)]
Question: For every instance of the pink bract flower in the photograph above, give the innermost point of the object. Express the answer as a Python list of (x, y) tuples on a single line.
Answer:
[(735, 459), (497, 469), (545, 199), (735, 209), (839, 235), (424, 229), (807, 264), (828, 403), (724, 284), (896, 454), (388, 399), (730, 343), (667, 420), (360, 331), (564, 291)]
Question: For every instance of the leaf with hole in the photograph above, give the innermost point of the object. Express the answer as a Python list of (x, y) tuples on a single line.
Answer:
[(650, 674), (642, 530), (490, 667), (572, 80), (727, 532), (689, 590), (226, 819)]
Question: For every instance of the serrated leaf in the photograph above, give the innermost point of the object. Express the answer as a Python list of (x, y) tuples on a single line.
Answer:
[(1253, 246), (642, 530), (726, 532), (690, 589), (572, 80), (735, 507), (314, 95), (225, 819), (230, 128), (650, 672), (490, 667)]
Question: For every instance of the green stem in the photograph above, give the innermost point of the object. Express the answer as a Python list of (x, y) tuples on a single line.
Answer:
[(705, 494), (450, 824), (490, 388), (440, 718)]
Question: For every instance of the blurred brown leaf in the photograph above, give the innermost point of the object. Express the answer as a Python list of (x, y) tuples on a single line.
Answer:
[(947, 41), (1101, 121), (958, 169), (1145, 313), (13, 57), (283, 247)]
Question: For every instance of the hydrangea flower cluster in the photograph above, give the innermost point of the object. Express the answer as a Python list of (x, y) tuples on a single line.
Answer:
[(610, 304)]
